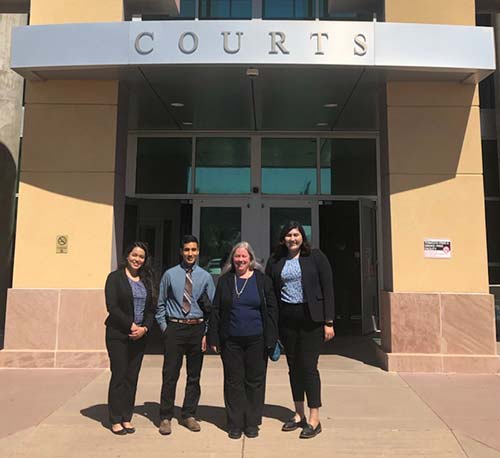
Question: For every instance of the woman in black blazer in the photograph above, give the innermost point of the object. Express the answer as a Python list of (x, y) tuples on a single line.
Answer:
[(303, 284), (243, 327), (131, 304)]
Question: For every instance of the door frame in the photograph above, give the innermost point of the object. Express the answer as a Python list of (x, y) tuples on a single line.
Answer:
[(256, 215), (274, 202), (368, 229)]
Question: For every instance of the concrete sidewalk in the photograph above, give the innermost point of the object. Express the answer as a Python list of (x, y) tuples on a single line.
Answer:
[(367, 413)]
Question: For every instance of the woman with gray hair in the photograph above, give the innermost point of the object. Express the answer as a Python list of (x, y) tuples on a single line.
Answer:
[(243, 327)]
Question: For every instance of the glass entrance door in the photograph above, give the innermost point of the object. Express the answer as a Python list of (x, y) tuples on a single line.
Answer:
[(221, 223), (277, 213)]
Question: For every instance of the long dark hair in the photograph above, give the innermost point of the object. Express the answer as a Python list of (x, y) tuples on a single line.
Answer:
[(146, 272), (281, 250)]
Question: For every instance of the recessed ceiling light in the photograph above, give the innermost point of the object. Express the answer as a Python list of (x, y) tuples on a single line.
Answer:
[(177, 104), (321, 124), (330, 105), (187, 123)]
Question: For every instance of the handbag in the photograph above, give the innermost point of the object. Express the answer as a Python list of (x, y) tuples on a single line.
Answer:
[(275, 353)]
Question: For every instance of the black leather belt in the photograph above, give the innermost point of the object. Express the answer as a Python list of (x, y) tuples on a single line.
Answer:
[(186, 320)]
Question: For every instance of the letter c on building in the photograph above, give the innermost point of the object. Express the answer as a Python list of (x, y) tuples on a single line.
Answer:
[(138, 43)]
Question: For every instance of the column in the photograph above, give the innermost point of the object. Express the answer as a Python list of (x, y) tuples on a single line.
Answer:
[(436, 314), (70, 211)]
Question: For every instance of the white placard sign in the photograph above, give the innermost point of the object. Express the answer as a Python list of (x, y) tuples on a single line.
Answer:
[(437, 248)]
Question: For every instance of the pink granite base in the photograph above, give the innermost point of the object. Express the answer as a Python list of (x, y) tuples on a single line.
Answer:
[(54, 359), (460, 364), (80, 360), (48, 328), (438, 332)]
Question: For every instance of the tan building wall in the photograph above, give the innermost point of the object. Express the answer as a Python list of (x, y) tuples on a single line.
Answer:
[(72, 183), (67, 184), (455, 12), (436, 184), (436, 314), (75, 11)]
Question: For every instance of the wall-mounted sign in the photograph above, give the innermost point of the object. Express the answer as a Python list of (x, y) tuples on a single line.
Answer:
[(243, 42), (62, 244), (437, 248), (464, 52)]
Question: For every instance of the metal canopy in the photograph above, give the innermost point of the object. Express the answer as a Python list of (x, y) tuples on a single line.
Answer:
[(254, 75)]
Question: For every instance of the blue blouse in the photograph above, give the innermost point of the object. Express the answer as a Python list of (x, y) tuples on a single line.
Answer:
[(246, 318), (291, 282), (139, 293)]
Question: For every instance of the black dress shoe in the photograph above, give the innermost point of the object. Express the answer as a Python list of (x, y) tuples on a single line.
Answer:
[(234, 433), (309, 432), (252, 431), (120, 432), (129, 430), (292, 425)]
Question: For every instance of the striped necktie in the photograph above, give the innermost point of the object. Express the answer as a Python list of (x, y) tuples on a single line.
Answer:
[(188, 291)]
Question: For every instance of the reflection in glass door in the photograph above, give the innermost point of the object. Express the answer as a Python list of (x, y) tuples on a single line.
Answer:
[(277, 213), (221, 223), (279, 217), (218, 228)]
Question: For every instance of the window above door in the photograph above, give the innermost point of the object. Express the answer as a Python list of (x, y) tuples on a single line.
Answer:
[(238, 165)]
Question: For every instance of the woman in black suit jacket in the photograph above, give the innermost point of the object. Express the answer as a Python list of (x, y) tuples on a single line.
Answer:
[(131, 304), (303, 284), (243, 327)]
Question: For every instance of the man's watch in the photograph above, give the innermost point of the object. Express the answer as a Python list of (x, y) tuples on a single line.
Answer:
[(329, 324)]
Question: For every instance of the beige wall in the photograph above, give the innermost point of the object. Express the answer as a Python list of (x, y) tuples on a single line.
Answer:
[(433, 170), (456, 12), (67, 184), (69, 168), (73, 11), (436, 186)]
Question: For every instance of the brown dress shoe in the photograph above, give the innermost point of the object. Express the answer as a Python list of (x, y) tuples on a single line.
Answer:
[(190, 423), (165, 427)]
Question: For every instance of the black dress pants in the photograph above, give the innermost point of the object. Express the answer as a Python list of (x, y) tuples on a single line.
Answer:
[(302, 339), (245, 364), (125, 356), (179, 340)]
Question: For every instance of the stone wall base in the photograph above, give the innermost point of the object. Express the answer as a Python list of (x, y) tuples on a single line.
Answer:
[(419, 362), (41, 359), (438, 332), (55, 328)]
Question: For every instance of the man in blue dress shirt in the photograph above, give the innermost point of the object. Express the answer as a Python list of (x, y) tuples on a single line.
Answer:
[(184, 291)]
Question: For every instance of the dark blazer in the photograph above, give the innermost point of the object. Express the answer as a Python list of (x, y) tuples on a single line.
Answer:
[(120, 305), (317, 283), (218, 325)]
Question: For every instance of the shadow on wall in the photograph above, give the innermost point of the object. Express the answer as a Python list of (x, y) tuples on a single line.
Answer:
[(426, 144), (8, 173), (75, 149)]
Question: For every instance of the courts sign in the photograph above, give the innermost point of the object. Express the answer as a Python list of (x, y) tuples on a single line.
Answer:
[(257, 42), (115, 50), (231, 43)]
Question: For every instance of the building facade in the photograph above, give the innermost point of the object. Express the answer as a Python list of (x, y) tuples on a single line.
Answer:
[(360, 119)]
